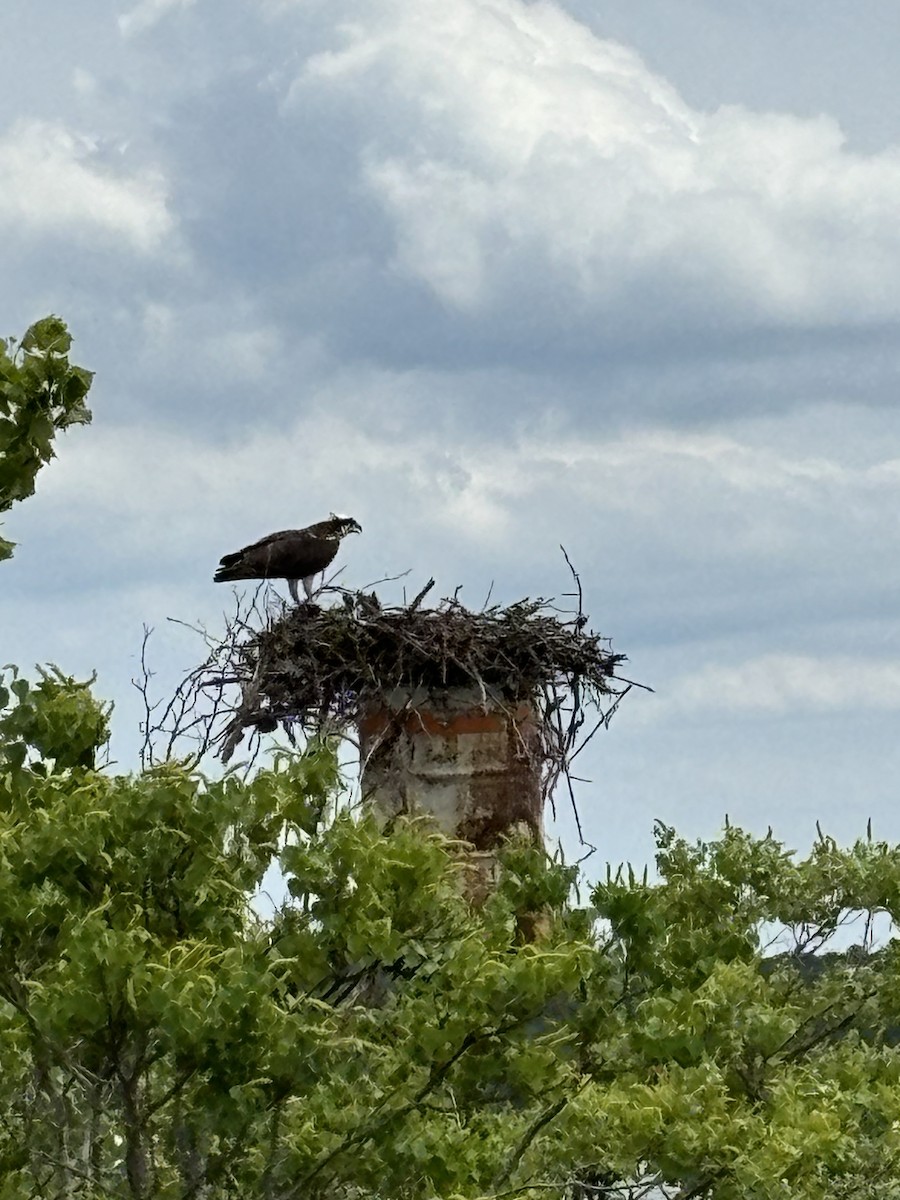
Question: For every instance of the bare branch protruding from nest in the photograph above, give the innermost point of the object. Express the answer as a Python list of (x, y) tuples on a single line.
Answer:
[(197, 715)]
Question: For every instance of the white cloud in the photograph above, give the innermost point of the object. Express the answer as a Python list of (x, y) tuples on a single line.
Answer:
[(666, 513), (50, 180), (782, 684), (148, 13), (200, 344), (182, 496), (525, 163)]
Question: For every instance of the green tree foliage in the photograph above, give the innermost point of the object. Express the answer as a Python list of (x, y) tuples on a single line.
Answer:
[(377, 1037), (41, 393)]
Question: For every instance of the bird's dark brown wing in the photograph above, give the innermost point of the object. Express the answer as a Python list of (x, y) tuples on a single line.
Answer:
[(287, 554), (297, 535)]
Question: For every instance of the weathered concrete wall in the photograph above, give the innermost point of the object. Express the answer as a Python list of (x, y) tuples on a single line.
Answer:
[(461, 758)]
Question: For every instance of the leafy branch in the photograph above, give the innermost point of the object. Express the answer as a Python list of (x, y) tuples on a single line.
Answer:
[(41, 394)]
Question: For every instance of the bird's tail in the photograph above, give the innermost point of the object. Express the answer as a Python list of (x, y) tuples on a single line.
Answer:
[(231, 568)]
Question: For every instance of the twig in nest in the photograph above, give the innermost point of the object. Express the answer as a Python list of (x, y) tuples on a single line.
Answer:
[(422, 594), (385, 579)]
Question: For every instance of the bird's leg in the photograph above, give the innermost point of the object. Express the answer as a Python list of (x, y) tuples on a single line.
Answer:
[(292, 588), (308, 586)]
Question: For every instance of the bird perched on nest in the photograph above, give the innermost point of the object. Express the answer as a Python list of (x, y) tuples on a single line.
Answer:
[(291, 554)]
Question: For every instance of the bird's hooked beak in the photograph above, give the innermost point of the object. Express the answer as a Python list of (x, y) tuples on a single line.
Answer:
[(346, 524)]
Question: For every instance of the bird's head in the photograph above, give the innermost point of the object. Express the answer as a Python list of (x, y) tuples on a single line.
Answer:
[(345, 525)]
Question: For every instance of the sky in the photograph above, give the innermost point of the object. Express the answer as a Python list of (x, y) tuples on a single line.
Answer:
[(491, 276)]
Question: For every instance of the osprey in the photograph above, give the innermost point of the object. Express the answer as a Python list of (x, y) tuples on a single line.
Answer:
[(292, 554)]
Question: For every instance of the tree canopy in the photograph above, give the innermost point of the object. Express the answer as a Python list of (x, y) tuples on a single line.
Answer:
[(165, 1034), (41, 393)]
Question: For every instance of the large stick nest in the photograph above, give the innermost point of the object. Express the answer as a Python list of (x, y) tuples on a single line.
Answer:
[(319, 668), (312, 662)]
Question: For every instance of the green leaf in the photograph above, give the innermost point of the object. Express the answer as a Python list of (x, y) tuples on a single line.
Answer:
[(49, 334)]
